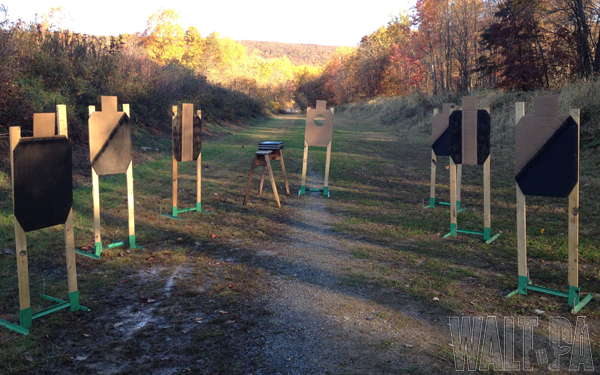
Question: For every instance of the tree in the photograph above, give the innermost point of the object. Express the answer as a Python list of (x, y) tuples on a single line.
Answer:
[(164, 37)]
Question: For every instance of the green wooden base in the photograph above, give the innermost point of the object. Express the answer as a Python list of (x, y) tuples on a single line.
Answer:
[(433, 203), (486, 234), (573, 295), (26, 317), (303, 190), (99, 249), (177, 211)]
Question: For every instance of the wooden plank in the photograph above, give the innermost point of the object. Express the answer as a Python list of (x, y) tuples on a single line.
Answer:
[(327, 161), (130, 202), (273, 185), (433, 170), (262, 181), (574, 217), (22, 268), (487, 210), (198, 168), (521, 233), (70, 253), (174, 182), (249, 180), (304, 163), (287, 187), (20, 238), (459, 168), (199, 179), (61, 120), (96, 198), (433, 167), (521, 211), (126, 110), (453, 209)]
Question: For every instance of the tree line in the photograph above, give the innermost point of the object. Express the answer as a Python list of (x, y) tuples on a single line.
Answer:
[(456, 46)]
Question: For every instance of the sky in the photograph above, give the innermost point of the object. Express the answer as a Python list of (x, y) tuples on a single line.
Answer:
[(326, 22)]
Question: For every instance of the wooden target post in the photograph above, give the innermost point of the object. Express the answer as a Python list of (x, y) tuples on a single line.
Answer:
[(440, 146), (469, 140), (320, 136), (41, 168), (187, 146), (110, 153), (547, 164)]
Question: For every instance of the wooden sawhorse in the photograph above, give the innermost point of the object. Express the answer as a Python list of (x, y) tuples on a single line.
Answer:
[(263, 158)]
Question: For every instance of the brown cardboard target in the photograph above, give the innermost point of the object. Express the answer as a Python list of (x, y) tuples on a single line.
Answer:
[(469, 130), (187, 134), (110, 139), (319, 136), (533, 132)]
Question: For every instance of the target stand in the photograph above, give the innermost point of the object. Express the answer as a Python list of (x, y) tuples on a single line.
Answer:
[(110, 153), (42, 188), (319, 136), (469, 142), (187, 146), (440, 147), (547, 164)]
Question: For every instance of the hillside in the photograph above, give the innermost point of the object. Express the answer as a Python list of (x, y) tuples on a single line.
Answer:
[(309, 54)]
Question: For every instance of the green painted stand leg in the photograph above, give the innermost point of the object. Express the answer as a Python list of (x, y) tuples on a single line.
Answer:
[(302, 190), (132, 244), (98, 249), (26, 318), (573, 295), (453, 230), (326, 191), (487, 235), (74, 299), (431, 202)]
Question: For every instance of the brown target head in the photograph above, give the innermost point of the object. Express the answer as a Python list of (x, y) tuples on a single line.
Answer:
[(187, 133), (316, 135), (110, 138), (532, 132), (440, 121)]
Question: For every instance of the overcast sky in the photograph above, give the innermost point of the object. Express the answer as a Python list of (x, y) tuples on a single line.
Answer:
[(327, 22)]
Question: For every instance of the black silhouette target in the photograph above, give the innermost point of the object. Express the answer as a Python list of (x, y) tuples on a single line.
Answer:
[(43, 191)]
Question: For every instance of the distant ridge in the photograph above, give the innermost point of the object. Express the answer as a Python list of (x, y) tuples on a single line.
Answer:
[(309, 54)]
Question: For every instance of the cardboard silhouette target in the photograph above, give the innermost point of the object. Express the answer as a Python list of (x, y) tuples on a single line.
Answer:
[(187, 146), (110, 153), (469, 144), (42, 185), (110, 139), (547, 164), (440, 146), (319, 136)]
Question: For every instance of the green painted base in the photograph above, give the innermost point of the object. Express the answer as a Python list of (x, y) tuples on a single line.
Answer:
[(572, 295), (177, 211), (303, 191), (433, 203), (486, 234), (99, 249), (26, 317)]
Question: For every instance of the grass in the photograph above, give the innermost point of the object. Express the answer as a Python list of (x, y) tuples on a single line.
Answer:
[(205, 267)]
